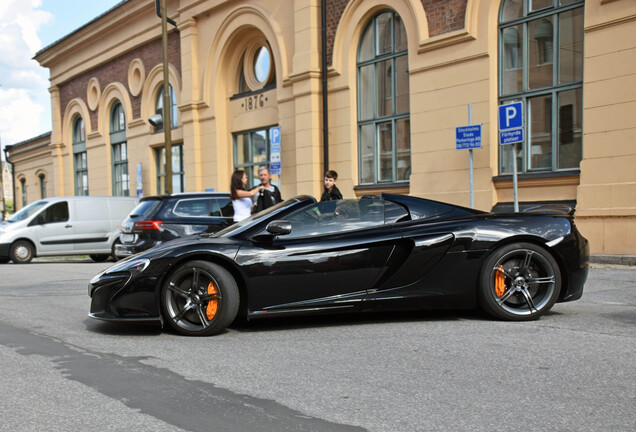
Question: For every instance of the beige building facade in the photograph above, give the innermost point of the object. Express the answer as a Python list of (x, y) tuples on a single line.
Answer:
[(399, 78)]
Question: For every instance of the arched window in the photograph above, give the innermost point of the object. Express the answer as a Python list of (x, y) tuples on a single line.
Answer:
[(257, 68), (173, 108), (384, 130), (541, 65), (121, 183), (42, 179), (23, 191), (80, 157)]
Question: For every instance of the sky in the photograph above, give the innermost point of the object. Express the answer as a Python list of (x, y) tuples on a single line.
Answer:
[(27, 26)]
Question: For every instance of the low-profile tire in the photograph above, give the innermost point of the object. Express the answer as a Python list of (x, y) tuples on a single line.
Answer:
[(21, 252), (199, 299), (99, 258), (519, 282)]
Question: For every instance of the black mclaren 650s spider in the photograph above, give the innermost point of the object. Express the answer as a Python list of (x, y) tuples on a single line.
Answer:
[(387, 252)]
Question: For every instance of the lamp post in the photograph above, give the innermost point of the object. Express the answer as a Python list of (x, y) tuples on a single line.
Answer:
[(167, 121)]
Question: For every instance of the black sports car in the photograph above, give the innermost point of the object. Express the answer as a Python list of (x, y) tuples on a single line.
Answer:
[(390, 252)]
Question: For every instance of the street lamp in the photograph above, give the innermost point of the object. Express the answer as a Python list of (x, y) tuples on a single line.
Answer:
[(167, 121)]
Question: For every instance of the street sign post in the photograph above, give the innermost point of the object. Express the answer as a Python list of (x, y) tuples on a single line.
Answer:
[(274, 151), (469, 137), (511, 132)]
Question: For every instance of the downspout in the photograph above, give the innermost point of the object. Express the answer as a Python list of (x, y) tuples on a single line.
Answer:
[(325, 117), (6, 159)]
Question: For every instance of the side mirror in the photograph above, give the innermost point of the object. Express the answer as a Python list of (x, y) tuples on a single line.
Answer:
[(279, 227)]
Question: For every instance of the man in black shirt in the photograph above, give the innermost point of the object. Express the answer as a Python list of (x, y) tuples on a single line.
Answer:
[(270, 195)]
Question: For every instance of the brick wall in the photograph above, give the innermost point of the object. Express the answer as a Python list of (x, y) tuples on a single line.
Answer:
[(117, 71), (443, 16)]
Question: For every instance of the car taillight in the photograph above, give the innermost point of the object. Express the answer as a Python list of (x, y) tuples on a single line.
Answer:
[(148, 225)]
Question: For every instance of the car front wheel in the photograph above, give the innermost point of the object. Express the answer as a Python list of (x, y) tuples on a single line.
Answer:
[(200, 299), (519, 282), (21, 252)]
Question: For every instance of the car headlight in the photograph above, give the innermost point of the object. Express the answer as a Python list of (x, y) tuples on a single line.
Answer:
[(135, 265)]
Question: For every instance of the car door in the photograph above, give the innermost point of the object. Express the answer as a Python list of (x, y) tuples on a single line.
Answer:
[(323, 262), (92, 225), (53, 230)]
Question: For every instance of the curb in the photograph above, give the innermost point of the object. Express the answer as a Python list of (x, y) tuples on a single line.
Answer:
[(622, 260)]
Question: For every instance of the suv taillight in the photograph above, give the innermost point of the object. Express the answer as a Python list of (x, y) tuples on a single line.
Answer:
[(148, 225)]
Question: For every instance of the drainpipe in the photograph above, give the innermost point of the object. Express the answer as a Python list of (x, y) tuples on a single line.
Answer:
[(325, 117), (6, 159)]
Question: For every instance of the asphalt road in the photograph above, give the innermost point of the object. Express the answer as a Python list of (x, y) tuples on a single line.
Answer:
[(573, 370)]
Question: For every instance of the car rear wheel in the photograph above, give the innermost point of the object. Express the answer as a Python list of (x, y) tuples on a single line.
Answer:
[(200, 299), (21, 252), (519, 282)]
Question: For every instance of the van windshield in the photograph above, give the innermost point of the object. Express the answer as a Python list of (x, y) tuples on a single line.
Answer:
[(27, 211)]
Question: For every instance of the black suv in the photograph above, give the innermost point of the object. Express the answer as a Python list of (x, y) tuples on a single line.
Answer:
[(158, 219)]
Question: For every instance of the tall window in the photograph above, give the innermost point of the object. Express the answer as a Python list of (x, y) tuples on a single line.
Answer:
[(178, 174), (23, 191), (541, 65), (80, 158), (121, 183), (384, 130), (251, 150), (173, 107), (42, 179)]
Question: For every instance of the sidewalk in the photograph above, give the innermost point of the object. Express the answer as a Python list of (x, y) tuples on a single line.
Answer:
[(622, 260)]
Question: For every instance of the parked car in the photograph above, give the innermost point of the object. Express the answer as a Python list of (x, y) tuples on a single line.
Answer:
[(161, 218), (80, 225), (391, 252)]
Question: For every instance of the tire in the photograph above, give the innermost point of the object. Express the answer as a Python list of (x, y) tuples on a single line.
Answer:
[(112, 250), (190, 304), (99, 258), (21, 252), (519, 282)]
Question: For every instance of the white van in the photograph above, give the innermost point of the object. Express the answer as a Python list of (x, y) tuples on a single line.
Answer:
[(82, 225)]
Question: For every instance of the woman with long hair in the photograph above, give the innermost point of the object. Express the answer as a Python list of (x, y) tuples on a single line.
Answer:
[(241, 198)]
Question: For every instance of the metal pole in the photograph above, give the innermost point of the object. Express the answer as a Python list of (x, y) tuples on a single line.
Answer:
[(514, 176), (167, 121), (470, 160)]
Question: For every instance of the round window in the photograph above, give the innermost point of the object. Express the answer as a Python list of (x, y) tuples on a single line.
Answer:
[(261, 64)]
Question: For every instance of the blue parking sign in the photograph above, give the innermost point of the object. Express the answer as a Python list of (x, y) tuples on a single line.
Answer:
[(511, 116)]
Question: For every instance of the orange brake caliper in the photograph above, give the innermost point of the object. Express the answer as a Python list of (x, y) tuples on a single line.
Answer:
[(213, 304), (500, 282)]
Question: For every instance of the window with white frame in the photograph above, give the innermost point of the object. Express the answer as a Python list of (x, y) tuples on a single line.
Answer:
[(80, 158), (121, 182), (384, 129), (42, 179), (178, 173), (173, 108), (541, 65)]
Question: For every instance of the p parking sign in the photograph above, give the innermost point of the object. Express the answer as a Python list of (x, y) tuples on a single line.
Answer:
[(511, 116)]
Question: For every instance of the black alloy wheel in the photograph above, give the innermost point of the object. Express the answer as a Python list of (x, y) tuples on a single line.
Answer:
[(199, 299), (519, 282), (21, 252)]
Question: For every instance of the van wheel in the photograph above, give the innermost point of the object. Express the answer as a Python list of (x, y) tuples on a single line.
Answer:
[(99, 258), (21, 252)]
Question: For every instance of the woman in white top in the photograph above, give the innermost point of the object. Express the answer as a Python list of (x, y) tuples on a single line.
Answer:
[(241, 198)]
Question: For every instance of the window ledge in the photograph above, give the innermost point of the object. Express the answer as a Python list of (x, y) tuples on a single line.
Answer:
[(377, 189)]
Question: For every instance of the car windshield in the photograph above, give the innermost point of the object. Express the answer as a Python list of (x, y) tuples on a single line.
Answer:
[(27, 211), (329, 217), (241, 225)]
